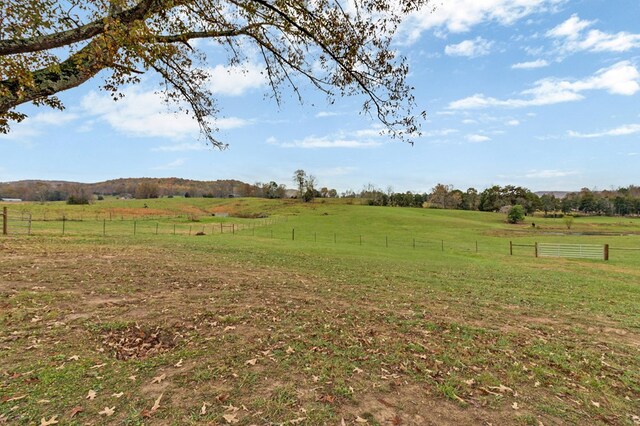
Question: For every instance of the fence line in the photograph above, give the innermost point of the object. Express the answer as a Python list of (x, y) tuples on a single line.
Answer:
[(24, 224)]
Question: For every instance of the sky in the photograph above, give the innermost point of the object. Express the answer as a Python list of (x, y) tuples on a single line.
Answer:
[(543, 94)]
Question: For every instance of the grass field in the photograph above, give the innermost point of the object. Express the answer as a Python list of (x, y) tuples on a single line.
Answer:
[(322, 313)]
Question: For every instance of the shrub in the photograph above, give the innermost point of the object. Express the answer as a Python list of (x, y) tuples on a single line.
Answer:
[(568, 221), (516, 214)]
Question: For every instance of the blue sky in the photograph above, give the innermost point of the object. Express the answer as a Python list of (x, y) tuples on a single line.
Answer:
[(539, 93)]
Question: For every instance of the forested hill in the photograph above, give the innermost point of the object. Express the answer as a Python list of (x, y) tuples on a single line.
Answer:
[(43, 190)]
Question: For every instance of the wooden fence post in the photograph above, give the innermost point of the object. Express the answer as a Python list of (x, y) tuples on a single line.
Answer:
[(5, 219), (606, 252), (293, 234), (536, 248), (510, 248), (104, 227)]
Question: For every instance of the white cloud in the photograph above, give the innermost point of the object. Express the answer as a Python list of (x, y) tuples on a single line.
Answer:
[(37, 125), (621, 78), (311, 142), (572, 37), (458, 16), (337, 171), (478, 138), (469, 48), (144, 113), (236, 80), (629, 129), (570, 28), (172, 165), (548, 174), (540, 63), (323, 114), (441, 132)]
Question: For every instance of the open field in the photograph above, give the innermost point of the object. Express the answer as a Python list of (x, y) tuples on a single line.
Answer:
[(314, 314)]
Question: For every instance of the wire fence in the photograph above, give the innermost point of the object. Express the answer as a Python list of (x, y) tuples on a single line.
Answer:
[(23, 223)]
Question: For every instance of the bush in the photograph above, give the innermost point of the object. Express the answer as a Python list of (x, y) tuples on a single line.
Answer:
[(77, 200), (568, 221), (516, 214)]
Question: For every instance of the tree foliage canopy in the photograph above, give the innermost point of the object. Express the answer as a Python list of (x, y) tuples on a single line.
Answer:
[(341, 47)]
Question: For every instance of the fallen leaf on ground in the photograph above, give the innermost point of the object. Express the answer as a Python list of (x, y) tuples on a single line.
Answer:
[(108, 411), (16, 398), (203, 410), (502, 388), (252, 361), (515, 406), (290, 350), (231, 418), (117, 395), (159, 378), (595, 404), (132, 378), (230, 327), (74, 358), (178, 364), (361, 420), (358, 370), (52, 421), (91, 395), (97, 366), (298, 420), (75, 410), (156, 404)]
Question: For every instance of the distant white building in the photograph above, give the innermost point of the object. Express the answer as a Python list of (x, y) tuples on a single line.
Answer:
[(11, 200)]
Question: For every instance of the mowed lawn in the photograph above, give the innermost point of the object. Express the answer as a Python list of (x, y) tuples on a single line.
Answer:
[(321, 313)]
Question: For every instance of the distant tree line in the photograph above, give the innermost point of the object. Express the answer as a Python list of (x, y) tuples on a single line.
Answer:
[(622, 201)]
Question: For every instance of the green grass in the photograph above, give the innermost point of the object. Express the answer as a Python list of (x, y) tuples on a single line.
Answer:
[(341, 305)]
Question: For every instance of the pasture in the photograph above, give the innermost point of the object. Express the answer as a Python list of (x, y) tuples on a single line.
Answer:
[(311, 314)]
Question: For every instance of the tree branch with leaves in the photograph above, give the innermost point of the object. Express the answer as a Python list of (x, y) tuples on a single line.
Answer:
[(341, 48)]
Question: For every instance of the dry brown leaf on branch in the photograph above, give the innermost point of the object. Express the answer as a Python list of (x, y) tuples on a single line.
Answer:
[(156, 404), (108, 411), (91, 395), (159, 378), (52, 421)]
